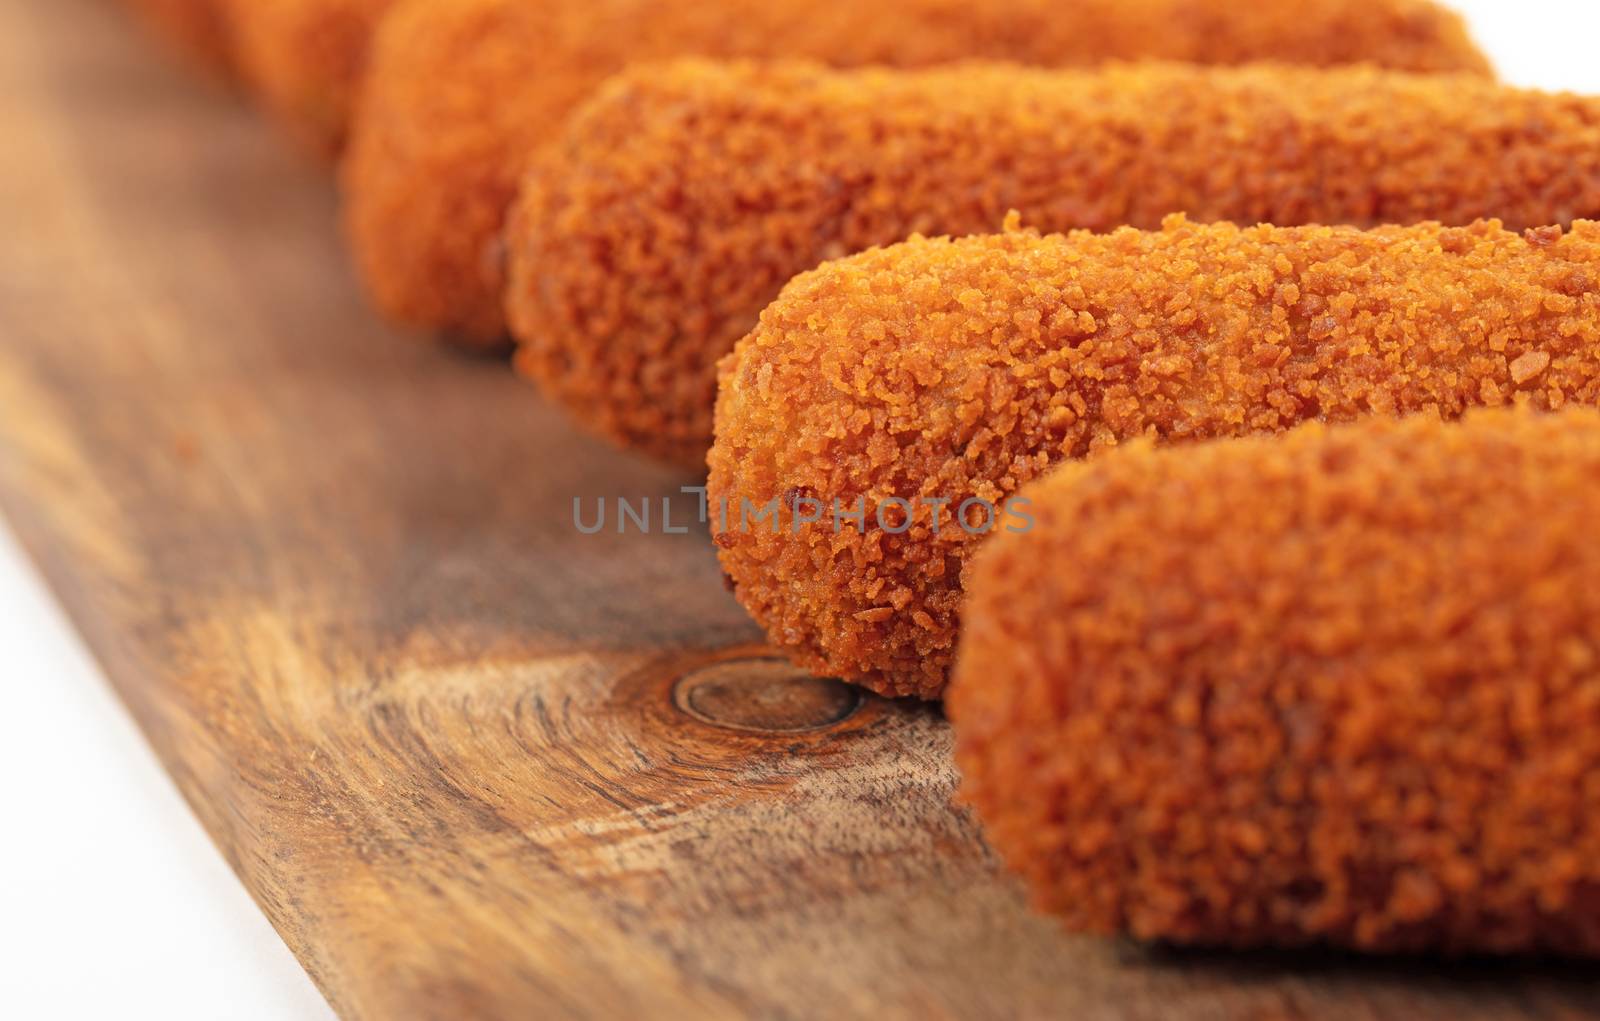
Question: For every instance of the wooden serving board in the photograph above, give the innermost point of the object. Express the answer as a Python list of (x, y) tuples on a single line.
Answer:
[(470, 762)]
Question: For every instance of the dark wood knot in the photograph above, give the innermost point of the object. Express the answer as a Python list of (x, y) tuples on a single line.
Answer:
[(766, 695)]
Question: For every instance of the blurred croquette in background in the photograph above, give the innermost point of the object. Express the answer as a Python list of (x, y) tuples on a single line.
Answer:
[(196, 29), (305, 60), (461, 92)]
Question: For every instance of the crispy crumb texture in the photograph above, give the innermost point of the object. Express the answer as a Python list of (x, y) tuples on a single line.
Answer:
[(304, 59), (462, 91), (959, 369), (195, 28), (682, 197), (1339, 687)]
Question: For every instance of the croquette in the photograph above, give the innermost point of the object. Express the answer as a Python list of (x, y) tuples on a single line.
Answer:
[(1339, 687), (681, 198), (959, 370), (304, 59), (195, 28), (461, 92)]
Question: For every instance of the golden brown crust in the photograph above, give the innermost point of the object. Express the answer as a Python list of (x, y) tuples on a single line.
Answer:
[(195, 28), (462, 91), (961, 369), (304, 59), (682, 197), (1336, 687)]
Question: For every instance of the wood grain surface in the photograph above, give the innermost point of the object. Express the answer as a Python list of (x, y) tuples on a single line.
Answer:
[(471, 762)]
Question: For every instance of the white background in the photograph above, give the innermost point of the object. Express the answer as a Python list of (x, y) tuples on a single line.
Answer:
[(113, 903)]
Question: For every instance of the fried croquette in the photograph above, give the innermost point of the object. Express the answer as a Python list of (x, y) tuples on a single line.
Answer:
[(304, 59), (1339, 687), (195, 28), (460, 92), (681, 199), (957, 371)]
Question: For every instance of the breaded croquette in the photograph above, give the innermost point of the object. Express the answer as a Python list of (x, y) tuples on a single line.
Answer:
[(462, 91), (1339, 687), (304, 59), (960, 370), (195, 28), (682, 198)]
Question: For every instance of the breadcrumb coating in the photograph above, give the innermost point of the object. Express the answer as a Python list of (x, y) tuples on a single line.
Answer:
[(1339, 687), (195, 28), (682, 197), (959, 370), (461, 92), (304, 59)]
